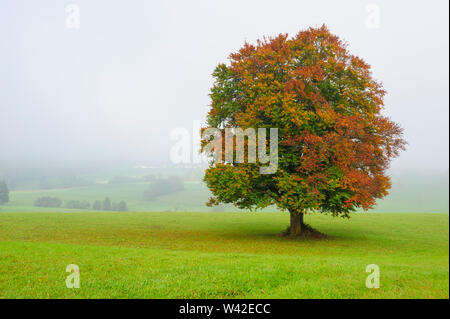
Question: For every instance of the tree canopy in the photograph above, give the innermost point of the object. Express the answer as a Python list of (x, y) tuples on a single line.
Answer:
[(335, 145)]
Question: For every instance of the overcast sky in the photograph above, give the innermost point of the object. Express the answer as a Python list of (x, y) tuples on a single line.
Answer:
[(115, 87)]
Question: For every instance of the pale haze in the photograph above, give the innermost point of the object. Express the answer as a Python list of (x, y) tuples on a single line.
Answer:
[(114, 88)]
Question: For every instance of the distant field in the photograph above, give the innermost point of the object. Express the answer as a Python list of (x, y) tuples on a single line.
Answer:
[(221, 255), (409, 194), (130, 192), (193, 198)]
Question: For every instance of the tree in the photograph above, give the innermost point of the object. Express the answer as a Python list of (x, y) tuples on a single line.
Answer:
[(48, 202), (4, 193), (97, 205), (107, 204), (334, 144), (73, 204), (85, 204), (122, 206)]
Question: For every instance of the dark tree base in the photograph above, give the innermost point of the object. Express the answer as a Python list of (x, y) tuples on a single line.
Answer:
[(306, 232)]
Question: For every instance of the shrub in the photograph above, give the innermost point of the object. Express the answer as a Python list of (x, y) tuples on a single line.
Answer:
[(97, 205), (48, 202), (107, 204), (122, 207)]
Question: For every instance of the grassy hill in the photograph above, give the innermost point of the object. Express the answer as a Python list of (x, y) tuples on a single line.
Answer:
[(221, 255)]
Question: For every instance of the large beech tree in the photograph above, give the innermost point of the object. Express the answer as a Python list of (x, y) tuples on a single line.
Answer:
[(334, 144)]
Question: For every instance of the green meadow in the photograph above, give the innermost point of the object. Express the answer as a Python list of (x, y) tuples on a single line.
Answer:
[(221, 255), (175, 247)]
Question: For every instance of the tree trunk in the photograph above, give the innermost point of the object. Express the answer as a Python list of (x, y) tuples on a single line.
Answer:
[(296, 226)]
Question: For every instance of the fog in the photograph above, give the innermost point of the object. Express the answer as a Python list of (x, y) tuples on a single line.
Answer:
[(113, 89)]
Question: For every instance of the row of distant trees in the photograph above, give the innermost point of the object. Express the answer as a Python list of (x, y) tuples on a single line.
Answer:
[(48, 202), (106, 204)]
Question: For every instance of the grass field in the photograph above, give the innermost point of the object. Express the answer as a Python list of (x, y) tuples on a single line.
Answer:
[(221, 255)]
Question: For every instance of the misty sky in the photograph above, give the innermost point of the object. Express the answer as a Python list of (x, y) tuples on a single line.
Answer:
[(115, 88)]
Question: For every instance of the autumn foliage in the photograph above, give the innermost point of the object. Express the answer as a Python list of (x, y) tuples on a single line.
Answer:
[(334, 144)]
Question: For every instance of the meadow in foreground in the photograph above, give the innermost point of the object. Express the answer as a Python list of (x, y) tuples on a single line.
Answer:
[(221, 255)]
